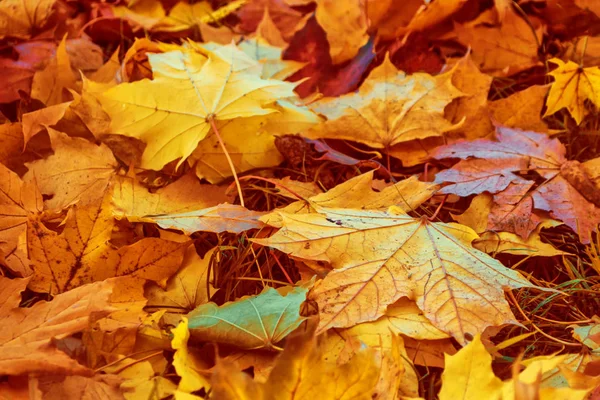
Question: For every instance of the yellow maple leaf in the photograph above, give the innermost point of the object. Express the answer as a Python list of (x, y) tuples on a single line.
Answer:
[(379, 257), (572, 86), (389, 108), (173, 112)]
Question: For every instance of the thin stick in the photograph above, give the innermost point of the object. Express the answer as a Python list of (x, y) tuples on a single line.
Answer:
[(211, 119)]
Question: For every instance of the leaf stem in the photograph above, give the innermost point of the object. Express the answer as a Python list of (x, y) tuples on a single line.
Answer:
[(213, 125)]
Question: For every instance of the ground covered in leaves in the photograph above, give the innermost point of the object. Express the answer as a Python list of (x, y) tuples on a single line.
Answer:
[(299, 199)]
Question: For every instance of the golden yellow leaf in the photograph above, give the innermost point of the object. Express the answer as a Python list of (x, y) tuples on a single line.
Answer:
[(572, 86), (359, 193), (187, 365), (521, 110), (229, 383), (78, 171), (250, 142), (142, 383), (389, 108), (468, 374), (20, 18), (171, 113), (50, 83), (35, 121), (301, 372), (270, 58), (132, 200), (379, 257), (143, 13), (82, 253)]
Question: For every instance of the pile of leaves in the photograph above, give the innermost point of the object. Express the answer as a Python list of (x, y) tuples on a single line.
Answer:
[(299, 199)]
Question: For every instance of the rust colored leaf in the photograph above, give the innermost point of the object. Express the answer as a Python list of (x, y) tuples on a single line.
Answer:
[(26, 340)]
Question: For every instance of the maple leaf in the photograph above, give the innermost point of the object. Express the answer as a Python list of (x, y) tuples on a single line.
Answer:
[(564, 193), (378, 257), (254, 322), (85, 170), (18, 200), (81, 253), (572, 86), (26, 340), (389, 108), (172, 112), (250, 151), (358, 193)]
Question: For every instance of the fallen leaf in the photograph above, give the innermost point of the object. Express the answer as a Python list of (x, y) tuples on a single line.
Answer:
[(378, 257), (345, 26), (572, 86), (389, 108), (26, 341), (188, 288), (18, 201), (468, 374), (132, 200), (254, 322), (84, 168), (20, 19), (172, 126), (188, 366), (82, 253), (512, 43), (565, 193), (49, 84)]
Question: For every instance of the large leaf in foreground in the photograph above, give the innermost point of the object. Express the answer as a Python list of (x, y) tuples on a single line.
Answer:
[(172, 112), (254, 322), (379, 257)]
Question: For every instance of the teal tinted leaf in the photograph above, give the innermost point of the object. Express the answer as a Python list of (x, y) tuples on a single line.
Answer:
[(251, 322)]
